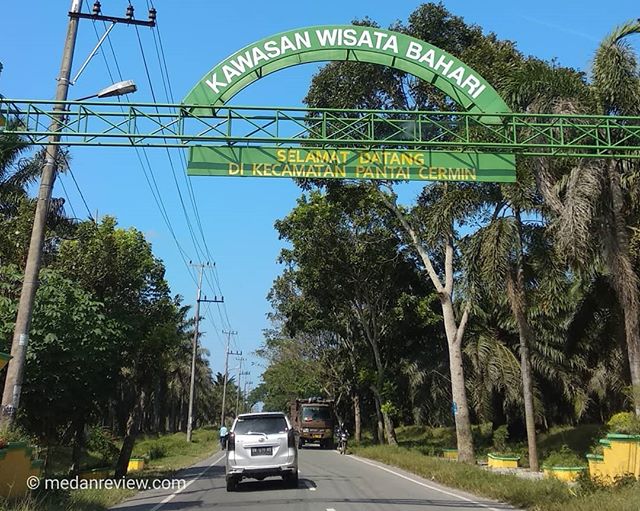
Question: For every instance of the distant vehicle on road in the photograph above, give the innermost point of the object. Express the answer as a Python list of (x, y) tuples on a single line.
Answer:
[(343, 437), (261, 445), (314, 421)]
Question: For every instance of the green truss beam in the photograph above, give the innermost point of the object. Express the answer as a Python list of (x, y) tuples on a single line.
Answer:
[(177, 125)]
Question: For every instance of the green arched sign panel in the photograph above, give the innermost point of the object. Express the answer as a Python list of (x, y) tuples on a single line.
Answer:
[(347, 43), (356, 44)]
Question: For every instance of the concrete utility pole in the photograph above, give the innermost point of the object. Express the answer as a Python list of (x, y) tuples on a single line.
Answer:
[(15, 369), (247, 384), (240, 375), (194, 351), (226, 371)]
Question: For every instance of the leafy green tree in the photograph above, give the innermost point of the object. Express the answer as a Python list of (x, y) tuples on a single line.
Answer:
[(497, 258), (356, 85), (350, 265), (292, 373), (118, 267), (71, 357)]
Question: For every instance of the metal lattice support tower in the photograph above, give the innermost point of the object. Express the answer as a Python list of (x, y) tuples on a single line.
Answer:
[(178, 125)]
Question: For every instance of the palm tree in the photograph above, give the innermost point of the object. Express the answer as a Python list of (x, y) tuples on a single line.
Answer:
[(497, 255), (17, 172), (594, 202)]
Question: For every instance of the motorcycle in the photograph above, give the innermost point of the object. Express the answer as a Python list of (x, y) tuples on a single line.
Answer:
[(342, 442)]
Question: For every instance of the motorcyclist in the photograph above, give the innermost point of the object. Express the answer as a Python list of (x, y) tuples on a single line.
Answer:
[(343, 437)]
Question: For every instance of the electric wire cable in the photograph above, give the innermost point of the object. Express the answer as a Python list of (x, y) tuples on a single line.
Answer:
[(199, 252), (73, 177), (152, 183), (148, 174), (170, 98), (68, 200)]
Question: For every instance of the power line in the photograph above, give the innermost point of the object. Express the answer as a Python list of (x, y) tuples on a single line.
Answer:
[(153, 185), (73, 177), (200, 253), (68, 166), (209, 316), (149, 175), (164, 71), (64, 190)]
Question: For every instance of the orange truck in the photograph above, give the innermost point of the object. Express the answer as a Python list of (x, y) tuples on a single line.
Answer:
[(314, 421)]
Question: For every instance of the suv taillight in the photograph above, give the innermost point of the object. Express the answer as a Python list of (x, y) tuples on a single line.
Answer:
[(231, 442), (291, 438)]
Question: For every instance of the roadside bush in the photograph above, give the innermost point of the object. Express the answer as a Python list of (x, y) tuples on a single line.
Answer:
[(14, 434), (157, 451), (533, 495), (565, 457), (102, 442), (482, 435), (500, 437), (625, 423)]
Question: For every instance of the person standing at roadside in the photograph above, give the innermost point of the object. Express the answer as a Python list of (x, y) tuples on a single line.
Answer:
[(224, 434)]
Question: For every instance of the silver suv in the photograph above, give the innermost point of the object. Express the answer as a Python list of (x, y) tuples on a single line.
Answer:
[(261, 445)]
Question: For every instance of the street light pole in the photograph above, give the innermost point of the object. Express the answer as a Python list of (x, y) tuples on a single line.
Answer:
[(15, 369)]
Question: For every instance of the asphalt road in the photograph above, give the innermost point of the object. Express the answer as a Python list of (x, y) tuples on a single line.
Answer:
[(328, 482)]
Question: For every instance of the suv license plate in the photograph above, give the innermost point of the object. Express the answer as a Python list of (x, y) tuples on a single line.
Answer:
[(261, 451)]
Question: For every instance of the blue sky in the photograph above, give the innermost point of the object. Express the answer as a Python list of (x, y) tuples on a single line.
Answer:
[(237, 216)]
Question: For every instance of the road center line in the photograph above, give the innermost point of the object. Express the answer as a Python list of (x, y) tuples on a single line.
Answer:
[(168, 498), (435, 488)]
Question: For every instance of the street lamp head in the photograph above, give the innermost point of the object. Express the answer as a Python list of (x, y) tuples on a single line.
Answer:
[(118, 89)]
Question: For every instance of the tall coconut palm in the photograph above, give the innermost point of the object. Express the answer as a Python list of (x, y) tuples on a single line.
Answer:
[(594, 202)]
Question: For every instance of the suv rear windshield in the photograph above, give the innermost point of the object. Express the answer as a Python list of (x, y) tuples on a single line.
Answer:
[(316, 413), (266, 425)]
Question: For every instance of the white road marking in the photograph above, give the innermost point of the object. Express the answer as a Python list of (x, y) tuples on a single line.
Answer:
[(168, 498), (435, 488), (330, 509)]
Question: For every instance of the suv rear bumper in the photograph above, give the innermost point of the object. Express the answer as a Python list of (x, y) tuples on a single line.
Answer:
[(252, 473)]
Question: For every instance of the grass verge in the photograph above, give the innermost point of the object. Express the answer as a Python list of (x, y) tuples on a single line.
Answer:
[(166, 454), (538, 495)]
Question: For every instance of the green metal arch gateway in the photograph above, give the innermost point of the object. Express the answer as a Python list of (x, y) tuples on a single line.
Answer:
[(347, 43)]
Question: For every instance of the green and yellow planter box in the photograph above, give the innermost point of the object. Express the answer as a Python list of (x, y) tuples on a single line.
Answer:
[(135, 464), (450, 454), (566, 474), (16, 466), (597, 468), (96, 473), (498, 461), (621, 457), (624, 456), (4, 359)]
